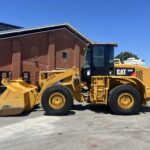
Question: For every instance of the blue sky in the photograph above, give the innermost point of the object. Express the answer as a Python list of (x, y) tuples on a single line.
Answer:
[(126, 22)]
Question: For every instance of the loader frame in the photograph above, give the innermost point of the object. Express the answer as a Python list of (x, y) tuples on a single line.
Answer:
[(25, 96)]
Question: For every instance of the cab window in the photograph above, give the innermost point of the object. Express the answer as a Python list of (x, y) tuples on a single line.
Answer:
[(98, 56), (86, 60)]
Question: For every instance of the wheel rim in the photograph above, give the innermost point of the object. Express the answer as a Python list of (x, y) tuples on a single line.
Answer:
[(126, 100), (57, 100)]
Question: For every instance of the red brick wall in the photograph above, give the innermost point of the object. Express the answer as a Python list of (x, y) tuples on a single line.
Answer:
[(42, 51), (5, 55)]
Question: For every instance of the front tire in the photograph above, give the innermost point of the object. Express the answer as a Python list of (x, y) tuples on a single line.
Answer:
[(124, 100), (57, 100)]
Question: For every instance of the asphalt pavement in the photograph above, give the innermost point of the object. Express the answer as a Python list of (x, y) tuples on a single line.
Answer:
[(87, 127)]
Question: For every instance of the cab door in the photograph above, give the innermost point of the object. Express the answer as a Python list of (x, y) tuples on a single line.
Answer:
[(102, 60)]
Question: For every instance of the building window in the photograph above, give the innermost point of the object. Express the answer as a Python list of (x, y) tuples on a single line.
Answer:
[(64, 55)]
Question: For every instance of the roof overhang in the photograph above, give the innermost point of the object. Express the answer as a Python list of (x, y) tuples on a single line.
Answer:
[(25, 31), (111, 44)]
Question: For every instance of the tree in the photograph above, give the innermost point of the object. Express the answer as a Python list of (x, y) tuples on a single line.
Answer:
[(125, 55)]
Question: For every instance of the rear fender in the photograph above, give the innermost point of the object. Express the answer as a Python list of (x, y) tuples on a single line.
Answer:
[(135, 82)]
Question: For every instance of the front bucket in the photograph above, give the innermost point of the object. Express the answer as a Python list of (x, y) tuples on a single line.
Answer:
[(17, 98)]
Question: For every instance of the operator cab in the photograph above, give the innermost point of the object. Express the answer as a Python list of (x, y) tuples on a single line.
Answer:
[(98, 60)]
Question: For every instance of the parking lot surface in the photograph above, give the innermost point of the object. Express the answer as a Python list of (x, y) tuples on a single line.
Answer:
[(86, 127)]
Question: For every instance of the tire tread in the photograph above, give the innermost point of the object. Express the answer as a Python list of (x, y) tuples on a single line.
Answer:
[(112, 100)]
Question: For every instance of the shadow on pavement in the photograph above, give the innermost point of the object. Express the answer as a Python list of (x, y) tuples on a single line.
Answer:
[(79, 107), (103, 108), (24, 114), (92, 107), (145, 109)]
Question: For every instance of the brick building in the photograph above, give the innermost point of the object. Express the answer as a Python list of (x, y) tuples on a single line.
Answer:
[(42, 48)]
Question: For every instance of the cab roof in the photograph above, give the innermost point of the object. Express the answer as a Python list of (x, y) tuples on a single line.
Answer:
[(109, 44)]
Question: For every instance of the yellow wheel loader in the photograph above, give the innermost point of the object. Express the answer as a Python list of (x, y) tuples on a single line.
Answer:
[(124, 88)]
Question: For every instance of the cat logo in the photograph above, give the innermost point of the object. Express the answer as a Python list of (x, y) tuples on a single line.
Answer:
[(121, 72)]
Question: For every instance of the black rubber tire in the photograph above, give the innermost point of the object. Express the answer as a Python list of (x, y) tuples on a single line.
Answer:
[(113, 100), (68, 100)]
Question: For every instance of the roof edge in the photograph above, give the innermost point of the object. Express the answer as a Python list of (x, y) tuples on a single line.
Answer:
[(24, 31)]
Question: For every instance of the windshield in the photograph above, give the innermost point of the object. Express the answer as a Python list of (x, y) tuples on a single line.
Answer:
[(86, 60)]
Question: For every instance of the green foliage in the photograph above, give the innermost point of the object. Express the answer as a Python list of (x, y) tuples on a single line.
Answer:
[(125, 55)]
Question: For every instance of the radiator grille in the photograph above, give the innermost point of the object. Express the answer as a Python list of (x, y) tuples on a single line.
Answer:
[(139, 74)]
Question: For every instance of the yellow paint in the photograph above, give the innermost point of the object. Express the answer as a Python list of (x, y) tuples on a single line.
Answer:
[(125, 100), (17, 98), (20, 96), (57, 100)]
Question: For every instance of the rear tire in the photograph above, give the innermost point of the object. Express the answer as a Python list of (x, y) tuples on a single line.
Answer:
[(57, 100), (124, 100)]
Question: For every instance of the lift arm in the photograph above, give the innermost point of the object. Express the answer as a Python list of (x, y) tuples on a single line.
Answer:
[(64, 77)]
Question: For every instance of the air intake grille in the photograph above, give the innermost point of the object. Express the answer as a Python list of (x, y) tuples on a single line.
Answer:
[(139, 74)]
